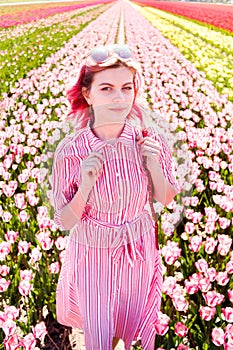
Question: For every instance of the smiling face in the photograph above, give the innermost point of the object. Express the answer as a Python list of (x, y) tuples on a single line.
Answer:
[(111, 95)]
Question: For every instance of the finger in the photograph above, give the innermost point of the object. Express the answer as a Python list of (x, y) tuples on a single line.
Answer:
[(139, 139), (97, 155), (94, 162), (150, 154), (91, 167), (152, 149), (151, 142)]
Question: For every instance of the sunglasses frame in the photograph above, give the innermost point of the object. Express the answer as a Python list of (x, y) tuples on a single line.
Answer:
[(112, 55)]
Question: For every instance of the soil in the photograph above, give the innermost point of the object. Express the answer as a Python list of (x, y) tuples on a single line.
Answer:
[(60, 337)]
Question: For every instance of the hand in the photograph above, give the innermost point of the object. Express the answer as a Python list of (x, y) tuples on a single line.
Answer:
[(91, 169), (150, 148)]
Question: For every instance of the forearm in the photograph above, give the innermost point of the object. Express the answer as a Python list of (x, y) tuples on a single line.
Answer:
[(163, 190), (73, 211)]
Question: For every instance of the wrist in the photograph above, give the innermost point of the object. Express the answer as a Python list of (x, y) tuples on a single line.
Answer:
[(85, 188), (153, 164)]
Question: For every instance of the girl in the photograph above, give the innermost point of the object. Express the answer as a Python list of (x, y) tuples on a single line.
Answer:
[(111, 278)]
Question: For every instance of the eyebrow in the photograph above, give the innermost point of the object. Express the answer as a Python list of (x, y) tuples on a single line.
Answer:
[(113, 85)]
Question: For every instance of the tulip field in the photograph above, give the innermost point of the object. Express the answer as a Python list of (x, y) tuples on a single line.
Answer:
[(186, 55)]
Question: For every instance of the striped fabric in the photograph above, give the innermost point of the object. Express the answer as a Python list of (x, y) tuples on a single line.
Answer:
[(111, 278)]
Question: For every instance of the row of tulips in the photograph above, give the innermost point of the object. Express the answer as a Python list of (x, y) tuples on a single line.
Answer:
[(18, 8), (217, 15), (32, 247), (29, 28), (196, 228), (30, 50), (209, 50), (16, 18)]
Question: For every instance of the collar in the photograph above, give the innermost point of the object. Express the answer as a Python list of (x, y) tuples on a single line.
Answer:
[(126, 137)]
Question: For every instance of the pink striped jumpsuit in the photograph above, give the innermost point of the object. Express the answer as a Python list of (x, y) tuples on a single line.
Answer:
[(111, 277)]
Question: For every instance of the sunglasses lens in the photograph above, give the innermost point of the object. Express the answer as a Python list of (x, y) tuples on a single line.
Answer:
[(123, 51), (99, 55)]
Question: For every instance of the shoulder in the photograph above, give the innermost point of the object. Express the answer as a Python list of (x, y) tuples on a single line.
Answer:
[(71, 144)]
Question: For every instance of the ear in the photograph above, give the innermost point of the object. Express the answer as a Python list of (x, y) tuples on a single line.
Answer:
[(86, 93)]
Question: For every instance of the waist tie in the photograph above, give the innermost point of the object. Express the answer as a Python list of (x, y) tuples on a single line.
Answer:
[(133, 250)]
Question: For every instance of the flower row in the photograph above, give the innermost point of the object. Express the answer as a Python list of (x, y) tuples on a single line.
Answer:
[(218, 15), (210, 51), (29, 51), (31, 15), (29, 28)]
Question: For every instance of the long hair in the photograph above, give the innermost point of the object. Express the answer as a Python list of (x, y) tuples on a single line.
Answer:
[(81, 112)]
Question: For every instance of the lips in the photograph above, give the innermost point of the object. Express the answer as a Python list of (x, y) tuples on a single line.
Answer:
[(117, 109)]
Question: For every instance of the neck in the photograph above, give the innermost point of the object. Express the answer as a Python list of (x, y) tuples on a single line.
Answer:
[(109, 132)]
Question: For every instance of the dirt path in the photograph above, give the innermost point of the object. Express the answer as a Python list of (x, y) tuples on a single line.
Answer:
[(77, 341)]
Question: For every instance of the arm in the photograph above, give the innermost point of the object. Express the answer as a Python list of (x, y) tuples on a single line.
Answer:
[(73, 211), (72, 181), (163, 190), (159, 162), (65, 186)]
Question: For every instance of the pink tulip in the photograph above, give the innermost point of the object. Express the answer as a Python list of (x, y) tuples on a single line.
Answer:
[(182, 347), (217, 336), (54, 267), (224, 223), (4, 270), (11, 312), (39, 331), (20, 200), (211, 274), (201, 265), (60, 243), (228, 337), (23, 216), (24, 287), (4, 284), (35, 254), (62, 256), (28, 342), (227, 314), (213, 298), (180, 303), (190, 227), (230, 295), (222, 278), (207, 313), (171, 252), (195, 243), (210, 245), (11, 236), (191, 286), (23, 247), (12, 343), (26, 275), (204, 284), (180, 329), (161, 325), (9, 327), (4, 250)]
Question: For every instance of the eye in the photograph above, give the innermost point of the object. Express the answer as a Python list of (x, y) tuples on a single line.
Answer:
[(128, 88), (105, 88)]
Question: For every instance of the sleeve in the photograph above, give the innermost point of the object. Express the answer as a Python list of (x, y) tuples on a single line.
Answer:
[(166, 160), (65, 181)]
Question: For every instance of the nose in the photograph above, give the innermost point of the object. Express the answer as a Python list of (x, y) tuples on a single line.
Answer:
[(118, 97)]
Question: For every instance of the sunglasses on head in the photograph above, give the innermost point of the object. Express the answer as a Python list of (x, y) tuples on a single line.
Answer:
[(106, 54)]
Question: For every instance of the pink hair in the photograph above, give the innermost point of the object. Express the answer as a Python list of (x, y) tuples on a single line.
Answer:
[(80, 110)]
